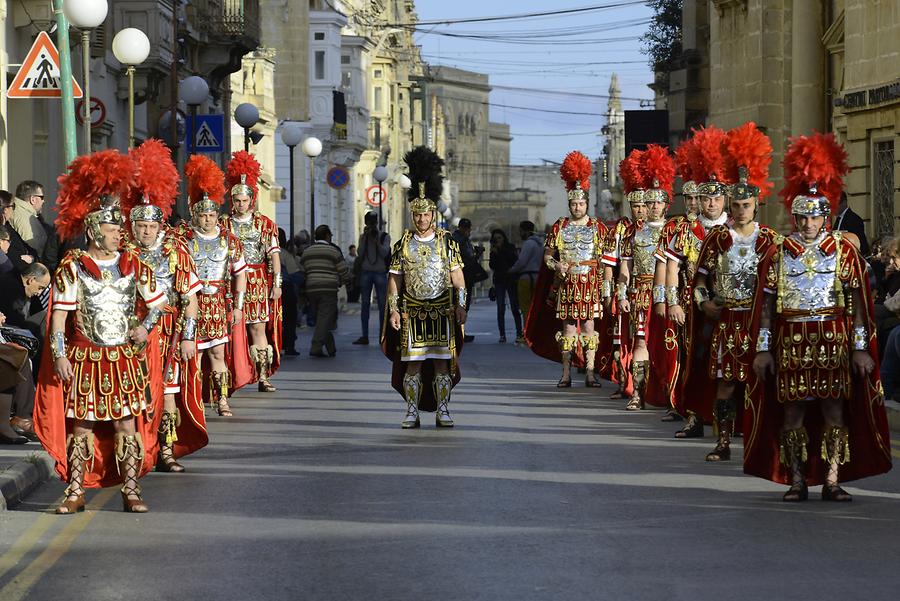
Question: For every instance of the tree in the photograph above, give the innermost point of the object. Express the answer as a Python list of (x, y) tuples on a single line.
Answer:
[(662, 42)]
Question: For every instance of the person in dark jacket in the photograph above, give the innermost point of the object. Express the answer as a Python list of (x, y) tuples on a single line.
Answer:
[(504, 256), (848, 221), (20, 254)]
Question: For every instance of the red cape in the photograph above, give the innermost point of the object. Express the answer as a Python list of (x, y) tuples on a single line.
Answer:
[(864, 414)]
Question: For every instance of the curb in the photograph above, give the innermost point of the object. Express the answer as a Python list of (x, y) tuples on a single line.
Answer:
[(23, 477), (893, 415)]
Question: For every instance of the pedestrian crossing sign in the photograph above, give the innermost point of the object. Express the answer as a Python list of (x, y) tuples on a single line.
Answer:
[(39, 76), (209, 133)]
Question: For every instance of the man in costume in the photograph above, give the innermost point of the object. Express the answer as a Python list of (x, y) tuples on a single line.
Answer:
[(723, 291), (567, 294), (221, 268), (818, 395), (682, 254), (638, 269), (615, 340), (426, 299), (94, 401), (259, 239), (662, 341), (182, 428)]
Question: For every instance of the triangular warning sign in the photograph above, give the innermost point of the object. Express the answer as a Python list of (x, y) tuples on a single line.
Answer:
[(205, 137), (38, 77)]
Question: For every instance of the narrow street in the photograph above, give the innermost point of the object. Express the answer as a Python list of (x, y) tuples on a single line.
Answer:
[(315, 493)]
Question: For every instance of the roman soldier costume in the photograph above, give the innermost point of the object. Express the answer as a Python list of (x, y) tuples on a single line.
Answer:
[(428, 292), (812, 320), (656, 173), (219, 260), (708, 166), (571, 296), (183, 429), (94, 373), (727, 277), (259, 238)]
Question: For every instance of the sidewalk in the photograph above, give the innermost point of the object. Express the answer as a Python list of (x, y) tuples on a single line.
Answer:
[(22, 469)]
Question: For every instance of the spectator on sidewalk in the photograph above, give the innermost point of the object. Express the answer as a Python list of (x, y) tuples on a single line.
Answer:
[(848, 221), (353, 286), (504, 256), (473, 272), (28, 204), (326, 272), (527, 265), (374, 255), (19, 253), (290, 269)]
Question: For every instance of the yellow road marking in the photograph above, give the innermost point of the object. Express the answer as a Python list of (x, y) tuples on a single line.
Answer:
[(19, 586), (25, 542)]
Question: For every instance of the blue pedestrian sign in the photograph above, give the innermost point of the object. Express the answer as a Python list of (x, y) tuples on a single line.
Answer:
[(209, 133)]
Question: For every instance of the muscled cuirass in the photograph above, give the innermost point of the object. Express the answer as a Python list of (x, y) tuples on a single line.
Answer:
[(106, 306), (163, 270), (736, 269), (808, 279), (577, 244), (645, 242), (427, 272), (211, 260), (251, 238)]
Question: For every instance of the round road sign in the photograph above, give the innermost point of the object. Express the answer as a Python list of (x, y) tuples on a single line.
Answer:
[(338, 177), (375, 195), (98, 112)]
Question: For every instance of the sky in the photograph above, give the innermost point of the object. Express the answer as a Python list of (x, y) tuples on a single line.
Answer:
[(573, 53)]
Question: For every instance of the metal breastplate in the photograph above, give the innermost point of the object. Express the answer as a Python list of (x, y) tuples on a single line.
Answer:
[(692, 245), (426, 272), (211, 259), (106, 306), (165, 278), (645, 241), (736, 269), (809, 280), (576, 245), (251, 238)]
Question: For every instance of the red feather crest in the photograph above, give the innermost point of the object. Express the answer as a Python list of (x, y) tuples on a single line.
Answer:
[(707, 155), (683, 160), (103, 173), (746, 146), (630, 172), (155, 179), (576, 168), (658, 168), (242, 163), (817, 160), (204, 177)]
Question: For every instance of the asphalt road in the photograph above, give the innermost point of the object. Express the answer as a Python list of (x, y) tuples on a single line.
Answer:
[(315, 493)]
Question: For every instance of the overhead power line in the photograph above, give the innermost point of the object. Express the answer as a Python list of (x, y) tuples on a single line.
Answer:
[(531, 15)]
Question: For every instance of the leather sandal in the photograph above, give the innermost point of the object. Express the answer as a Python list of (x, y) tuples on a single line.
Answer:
[(223, 408), (670, 416), (618, 394), (591, 381), (564, 383), (635, 403), (693, 428), (796, 493), (72, 504), (133, 505), (720, 453), (833, 492)]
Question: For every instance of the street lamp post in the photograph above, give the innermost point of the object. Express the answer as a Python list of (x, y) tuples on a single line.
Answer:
[(291, 134), (131, 47), (380, 174), (193, 90), (86, 15), (246, 115), (312, 147)]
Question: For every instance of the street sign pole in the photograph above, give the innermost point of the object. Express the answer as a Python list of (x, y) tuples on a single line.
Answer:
[(70, 144)]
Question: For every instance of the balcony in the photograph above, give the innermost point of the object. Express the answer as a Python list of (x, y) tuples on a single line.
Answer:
[(231, 28)]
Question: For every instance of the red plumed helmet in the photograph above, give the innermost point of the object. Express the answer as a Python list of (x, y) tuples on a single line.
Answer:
[(748, 153), (630, 172), (683, 160), (242, 174), (155, 183), (707, 158), (814, 169), (658, 172), (206, 183), (576, 171), (93, 186)]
